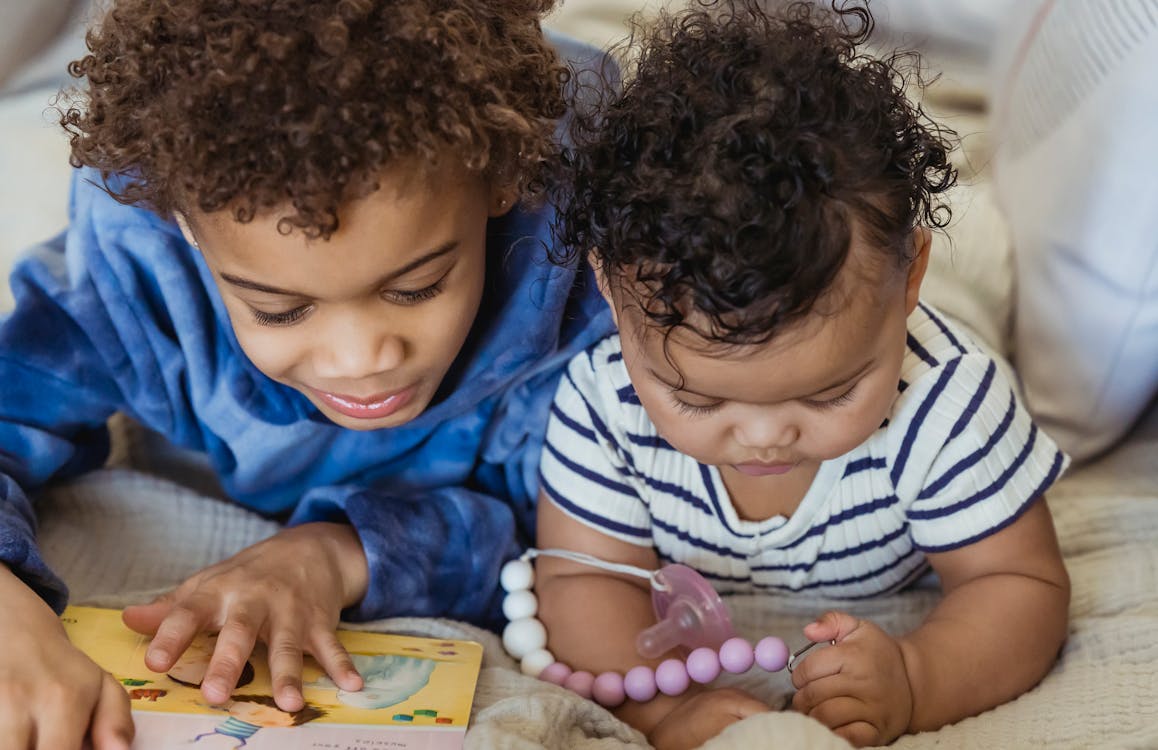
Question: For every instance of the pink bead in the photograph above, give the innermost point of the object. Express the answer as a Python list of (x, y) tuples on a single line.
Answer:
[(772, 654), (580, 683), (556, 673), (608, 689), (639, 684), (671, 677), (703, 665), (736, 655)]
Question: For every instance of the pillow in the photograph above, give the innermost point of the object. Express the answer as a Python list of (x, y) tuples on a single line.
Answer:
[(1074, 108)]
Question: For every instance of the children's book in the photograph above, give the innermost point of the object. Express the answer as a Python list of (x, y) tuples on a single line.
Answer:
[(417, 693)]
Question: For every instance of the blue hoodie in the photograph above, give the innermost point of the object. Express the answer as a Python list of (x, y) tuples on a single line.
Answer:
[(120, 313)]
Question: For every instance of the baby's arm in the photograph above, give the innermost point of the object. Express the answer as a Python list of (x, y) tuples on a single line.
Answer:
[(994, 635), (593, 618)]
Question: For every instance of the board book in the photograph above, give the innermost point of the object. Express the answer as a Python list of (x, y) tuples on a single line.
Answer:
[(417, 693)]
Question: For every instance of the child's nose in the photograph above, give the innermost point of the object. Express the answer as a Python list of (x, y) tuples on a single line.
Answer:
[(358, 350), (763, 434)]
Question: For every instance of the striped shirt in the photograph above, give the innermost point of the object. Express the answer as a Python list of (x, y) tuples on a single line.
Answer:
[(957, 459)]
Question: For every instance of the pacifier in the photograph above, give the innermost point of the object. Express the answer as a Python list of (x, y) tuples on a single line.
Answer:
[(688, 613)]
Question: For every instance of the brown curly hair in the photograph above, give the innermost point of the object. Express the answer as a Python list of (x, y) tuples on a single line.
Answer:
[(299, 105), (726, 177)]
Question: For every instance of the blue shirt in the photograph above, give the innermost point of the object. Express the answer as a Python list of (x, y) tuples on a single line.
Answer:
[(119, 313)]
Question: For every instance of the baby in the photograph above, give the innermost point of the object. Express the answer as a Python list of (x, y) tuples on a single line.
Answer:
[(780, 410)]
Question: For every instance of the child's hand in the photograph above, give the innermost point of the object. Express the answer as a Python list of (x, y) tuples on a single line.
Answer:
[(858, 687), (288, 590), (701, 717), (52, 696)]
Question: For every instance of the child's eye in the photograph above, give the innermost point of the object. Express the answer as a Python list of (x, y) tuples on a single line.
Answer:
[(414, 296), (833, 403), (280, 319), (695, 410)]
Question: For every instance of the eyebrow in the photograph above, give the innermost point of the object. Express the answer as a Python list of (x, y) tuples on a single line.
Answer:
[(413, 265), (843, 381)]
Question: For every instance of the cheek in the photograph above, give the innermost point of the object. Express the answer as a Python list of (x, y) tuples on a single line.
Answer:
[(273, 352)]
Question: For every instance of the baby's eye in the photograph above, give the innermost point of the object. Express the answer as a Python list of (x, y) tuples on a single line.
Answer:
[(286, 318), (695, 410), (833, 403)]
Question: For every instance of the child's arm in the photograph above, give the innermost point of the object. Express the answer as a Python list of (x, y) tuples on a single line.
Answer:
[(51, 694), (593, 618), (994, 635), (288, 590)]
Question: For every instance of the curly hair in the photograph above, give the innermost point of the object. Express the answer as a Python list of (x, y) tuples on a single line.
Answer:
[(729, 174), (299, 106)]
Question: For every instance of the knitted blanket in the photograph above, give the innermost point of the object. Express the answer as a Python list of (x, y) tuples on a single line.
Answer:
[(118, 537)]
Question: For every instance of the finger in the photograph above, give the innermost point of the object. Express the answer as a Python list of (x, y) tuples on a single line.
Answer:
[(335, 660), (16, 731), (112, 720), (146, 618), (831, 626), (818, 691), (836, 712), (860, 734), (234, 646), (828, 661), (55, 728), (285, 669), (172, 637)]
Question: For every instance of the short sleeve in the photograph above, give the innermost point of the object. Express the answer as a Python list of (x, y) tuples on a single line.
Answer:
[(988, 463), (584, 469)]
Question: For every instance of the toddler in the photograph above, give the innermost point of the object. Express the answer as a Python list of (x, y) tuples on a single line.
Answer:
[(298, 245), (779, 409)]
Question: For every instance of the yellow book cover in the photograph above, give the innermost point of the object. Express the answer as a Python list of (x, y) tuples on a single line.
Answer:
[(417, 694)]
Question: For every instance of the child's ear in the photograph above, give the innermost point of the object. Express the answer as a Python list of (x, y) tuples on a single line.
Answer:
[(503, 199), (922, 241), (596, 264)]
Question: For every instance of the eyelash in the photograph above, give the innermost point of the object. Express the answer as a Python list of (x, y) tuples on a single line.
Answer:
[(402, 297), (832, 403), (693, 410)]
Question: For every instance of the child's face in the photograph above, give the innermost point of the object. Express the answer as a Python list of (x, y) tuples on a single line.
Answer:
[(367, 323), (813, 393)]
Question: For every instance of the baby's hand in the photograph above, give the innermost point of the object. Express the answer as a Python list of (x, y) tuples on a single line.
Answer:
[(858, 687), (701, 717), (288, 590)]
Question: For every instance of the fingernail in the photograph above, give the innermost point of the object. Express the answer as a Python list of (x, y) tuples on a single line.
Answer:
[(156, 655)]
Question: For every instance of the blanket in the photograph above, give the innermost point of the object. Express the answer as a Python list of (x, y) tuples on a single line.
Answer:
[(120, 536)]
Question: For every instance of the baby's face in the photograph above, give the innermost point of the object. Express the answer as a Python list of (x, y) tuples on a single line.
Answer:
[(367, 323), (813, 393)]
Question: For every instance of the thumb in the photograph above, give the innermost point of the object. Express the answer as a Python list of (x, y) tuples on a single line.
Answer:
[(146, 618), (831, 626)]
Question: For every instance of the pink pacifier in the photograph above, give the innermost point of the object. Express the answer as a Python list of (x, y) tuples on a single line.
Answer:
[(688, 613)]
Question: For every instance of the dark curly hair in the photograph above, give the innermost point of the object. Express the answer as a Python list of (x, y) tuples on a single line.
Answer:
[(728, 175), (299, 105)]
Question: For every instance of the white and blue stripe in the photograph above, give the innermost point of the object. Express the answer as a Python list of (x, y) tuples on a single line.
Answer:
[(957, 459)]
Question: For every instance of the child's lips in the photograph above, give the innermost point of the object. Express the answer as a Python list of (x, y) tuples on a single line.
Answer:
[(760, 469), (377, 406)]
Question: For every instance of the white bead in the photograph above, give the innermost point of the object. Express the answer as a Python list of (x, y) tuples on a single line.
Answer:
[(517, 575), (520, 604), (535, 662), (521, 637)]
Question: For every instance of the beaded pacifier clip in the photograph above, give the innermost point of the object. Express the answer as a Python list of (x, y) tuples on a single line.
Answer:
[(689, 613)]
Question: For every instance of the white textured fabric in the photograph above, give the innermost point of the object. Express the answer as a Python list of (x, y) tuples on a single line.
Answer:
[(957, 460), (118, 537), (1074, 108)]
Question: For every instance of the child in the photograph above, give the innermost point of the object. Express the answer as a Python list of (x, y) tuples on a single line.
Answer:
[(294, 247), (779, 410)]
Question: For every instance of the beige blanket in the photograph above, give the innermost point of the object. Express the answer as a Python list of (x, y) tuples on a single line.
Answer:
[(119, 537)]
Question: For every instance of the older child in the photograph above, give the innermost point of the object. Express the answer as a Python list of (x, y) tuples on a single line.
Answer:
[(779, 410), (295, 246)]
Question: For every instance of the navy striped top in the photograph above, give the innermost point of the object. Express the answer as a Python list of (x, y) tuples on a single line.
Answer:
[(957, 460)]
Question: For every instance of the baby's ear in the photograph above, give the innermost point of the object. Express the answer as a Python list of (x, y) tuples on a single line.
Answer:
[(922, 241)]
